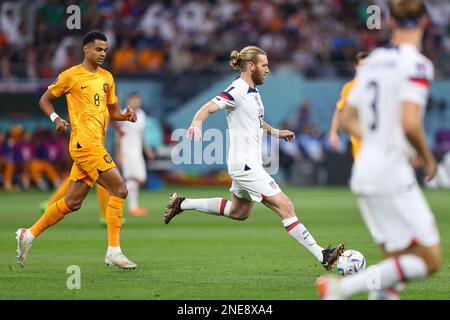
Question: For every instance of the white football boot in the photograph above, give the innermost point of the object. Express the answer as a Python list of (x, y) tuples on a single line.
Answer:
[(23, 246), (119, 260)]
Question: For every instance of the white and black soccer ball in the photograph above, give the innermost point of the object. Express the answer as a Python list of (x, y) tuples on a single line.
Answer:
[(350, 262)]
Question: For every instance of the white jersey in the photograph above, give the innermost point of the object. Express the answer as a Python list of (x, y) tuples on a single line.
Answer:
[(245, 112), (388, 77), (133, 135)]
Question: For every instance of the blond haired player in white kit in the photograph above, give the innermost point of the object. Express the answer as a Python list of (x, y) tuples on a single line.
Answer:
[(251, 183), (385, 109), (132, 146)]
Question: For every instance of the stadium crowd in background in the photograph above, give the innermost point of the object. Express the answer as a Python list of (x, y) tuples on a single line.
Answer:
[(315, 37), (39, 158)]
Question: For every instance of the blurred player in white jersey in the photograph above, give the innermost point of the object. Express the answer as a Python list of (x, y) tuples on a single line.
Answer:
[(132, 147), (385, 109), (251, 183)]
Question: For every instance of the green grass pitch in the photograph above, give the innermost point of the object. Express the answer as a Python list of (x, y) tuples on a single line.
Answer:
[(196, 256)]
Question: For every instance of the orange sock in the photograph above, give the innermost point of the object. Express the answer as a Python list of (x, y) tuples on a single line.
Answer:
[(59, 193), (51, 216), (103, 196), (114, 216)]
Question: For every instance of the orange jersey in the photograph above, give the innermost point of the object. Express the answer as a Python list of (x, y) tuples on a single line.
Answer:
[(87, 94), (356, 143)]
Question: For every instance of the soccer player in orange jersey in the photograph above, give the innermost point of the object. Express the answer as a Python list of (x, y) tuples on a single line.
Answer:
[(91, 102), (102, 193), (334, 130)]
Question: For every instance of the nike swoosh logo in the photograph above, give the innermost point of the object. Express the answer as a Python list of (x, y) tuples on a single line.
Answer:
[(84, 87)]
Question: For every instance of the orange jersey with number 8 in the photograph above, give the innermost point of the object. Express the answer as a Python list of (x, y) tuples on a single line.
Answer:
[(87, 94), (356, 143)]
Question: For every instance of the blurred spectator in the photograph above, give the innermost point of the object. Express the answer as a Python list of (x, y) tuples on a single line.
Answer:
[(29, 158), (303, 117), (64, 55), (10, 20), (2, 154), (151, 59), (24, 161), (304, 59), (124, 58), (5, 65), (46, 70), (53, 148), (31, 71), (11, 156), (36, 160), (180, 58), (310, 143), (52, 13), (289, 155)]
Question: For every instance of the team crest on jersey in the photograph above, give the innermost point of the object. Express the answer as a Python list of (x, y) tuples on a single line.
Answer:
[(105, 87), (107, 158)]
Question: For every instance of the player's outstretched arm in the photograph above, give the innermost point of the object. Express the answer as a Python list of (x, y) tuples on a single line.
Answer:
[(195, 129), (349, 121), (47, 107), (116, 114), (334, 129), (280, 134), (412, 126)]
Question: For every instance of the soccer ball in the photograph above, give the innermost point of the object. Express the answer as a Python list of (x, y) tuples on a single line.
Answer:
[(351, 261)]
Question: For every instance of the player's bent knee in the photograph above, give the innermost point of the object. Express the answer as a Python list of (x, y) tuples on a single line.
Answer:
[(73, 205), (433, 263), (121, 192), (239, 214), (124, 192), (432, 258), (241, 217)]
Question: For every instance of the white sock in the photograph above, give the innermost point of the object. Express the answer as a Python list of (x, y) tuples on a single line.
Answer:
[(114, 250), (385, 274), (29, 235), (298, 231), (133, 193), (392, 293), (216, 206)]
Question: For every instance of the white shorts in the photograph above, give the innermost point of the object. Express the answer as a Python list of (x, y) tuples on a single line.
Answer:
[(134, 167), (254, 185), (400, 220)]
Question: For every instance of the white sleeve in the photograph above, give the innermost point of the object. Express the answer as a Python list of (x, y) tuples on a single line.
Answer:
[(417, 79), (226, 99)]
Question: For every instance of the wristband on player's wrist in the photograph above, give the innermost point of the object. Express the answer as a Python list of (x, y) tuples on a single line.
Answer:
[(53, 116)]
